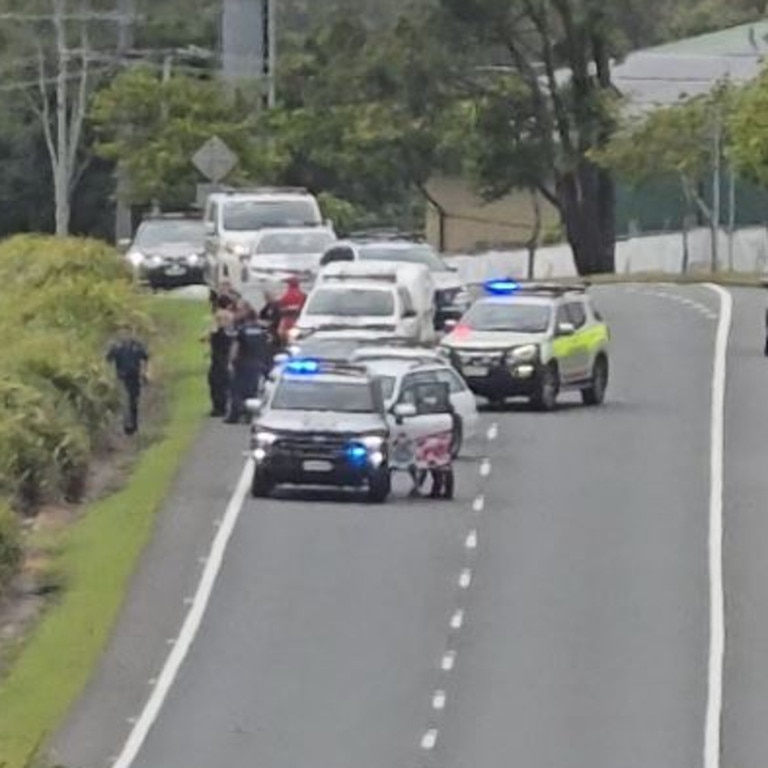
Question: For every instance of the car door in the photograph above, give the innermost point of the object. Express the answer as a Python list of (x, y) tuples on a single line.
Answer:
[(462, 399), (423, 440), (580, 357), (409, 320), (564, 345)]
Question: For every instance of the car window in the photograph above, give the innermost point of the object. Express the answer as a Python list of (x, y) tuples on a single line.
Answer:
[(562, 316), (452, 379), (351, 302), (518, 317), (338, 253), (249, 215), (576, 313), (163, 232), (411, 383), (294, 394), (294, 242)]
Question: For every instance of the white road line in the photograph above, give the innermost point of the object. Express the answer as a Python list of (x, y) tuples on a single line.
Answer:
[(457, 620), (493, 432), (471, 542), (191, 624), (716, 588), (438, 700), (479, 504), (429, 740), (485, 467), (466, 578), (448, 661)]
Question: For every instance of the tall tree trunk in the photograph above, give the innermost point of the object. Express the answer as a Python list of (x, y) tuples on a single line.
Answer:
[(588, 202)]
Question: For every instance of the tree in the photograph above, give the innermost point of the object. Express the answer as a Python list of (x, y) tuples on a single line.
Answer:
[(687, 141), (166, 122), (749, 130)]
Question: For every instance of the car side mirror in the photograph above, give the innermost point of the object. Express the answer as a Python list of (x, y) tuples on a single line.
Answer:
[(449, 325), (409, 314), (254, 406), (124, 243), (566, 329), (404, 411)]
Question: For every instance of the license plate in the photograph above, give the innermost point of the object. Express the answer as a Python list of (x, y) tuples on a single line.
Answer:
[(317, 466), (475, 370), (175, 271)]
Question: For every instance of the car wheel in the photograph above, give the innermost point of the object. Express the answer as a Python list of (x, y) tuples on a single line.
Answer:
[(379, 486), (261, 485), (457, 439), (545, 398), (594, 394)]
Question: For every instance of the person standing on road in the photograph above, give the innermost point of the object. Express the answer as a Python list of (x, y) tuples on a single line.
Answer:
[(291, 303), (220, 339), (250, 359), (130, 359), (270, 315)]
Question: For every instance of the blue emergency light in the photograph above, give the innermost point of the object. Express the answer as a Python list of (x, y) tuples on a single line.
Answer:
[(302, 366), (501, 287), (357, 454)]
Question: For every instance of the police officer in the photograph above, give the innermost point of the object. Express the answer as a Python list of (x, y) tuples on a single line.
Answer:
[(270, 316), (131, 361), (250, 359), (220, 340)]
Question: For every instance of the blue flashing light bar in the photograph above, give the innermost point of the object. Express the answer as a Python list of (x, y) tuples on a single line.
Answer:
[(302, 366), (501, 287)]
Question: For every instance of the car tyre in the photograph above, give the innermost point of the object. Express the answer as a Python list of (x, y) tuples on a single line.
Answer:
[(547, 390), (379, 486), (594, 394), (261, 485), (457, 439)]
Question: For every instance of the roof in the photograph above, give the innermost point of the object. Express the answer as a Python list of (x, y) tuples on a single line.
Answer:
[(666, 74)]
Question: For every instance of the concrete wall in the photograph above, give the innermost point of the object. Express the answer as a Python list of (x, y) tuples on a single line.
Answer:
[(658, 253)]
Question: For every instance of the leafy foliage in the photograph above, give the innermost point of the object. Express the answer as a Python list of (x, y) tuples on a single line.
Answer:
[(749, 130), (10, 546)]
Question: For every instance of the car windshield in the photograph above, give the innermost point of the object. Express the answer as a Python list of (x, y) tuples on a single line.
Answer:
[(418, 254), (352, 302), (249, 215), (508, 316), (295, 242), (297, 394), (153, 233)]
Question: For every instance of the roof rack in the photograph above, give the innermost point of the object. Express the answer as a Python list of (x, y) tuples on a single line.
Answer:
[(554, 289), (385, 234), (263, 191), (170, 215), (360, 278)]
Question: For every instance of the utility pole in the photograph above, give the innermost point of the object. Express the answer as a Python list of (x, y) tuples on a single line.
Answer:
[(125, 41)]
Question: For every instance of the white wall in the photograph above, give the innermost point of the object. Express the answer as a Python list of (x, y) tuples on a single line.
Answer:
[(655, 253)]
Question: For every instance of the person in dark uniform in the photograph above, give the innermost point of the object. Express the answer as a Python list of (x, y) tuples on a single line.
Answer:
[(270, 316), (220, 339), (130, 358), (250, 359)]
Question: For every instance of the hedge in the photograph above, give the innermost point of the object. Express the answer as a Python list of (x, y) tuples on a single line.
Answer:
[(61, 300)]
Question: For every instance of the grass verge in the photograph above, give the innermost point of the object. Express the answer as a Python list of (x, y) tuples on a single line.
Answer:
[(98, 554)]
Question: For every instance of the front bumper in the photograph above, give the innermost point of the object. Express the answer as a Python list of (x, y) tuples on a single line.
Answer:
[(333, 469), (172, 276), (502, 381)]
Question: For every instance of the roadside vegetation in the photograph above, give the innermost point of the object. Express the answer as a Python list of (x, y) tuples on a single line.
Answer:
[(77, 498)]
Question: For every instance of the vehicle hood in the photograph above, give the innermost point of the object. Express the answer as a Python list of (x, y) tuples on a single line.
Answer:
[(322, 421), (385, 324), (284, 263), (446, 281), (171, 250), (491, 340)]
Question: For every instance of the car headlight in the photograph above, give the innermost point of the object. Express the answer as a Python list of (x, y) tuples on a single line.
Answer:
[(372, 442), (193, 259), (262, 439), (526, 354), (136, 258), (156, 261), (237, 249)]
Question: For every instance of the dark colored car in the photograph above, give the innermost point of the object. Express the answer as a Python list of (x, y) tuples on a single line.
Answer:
[(169, 251)]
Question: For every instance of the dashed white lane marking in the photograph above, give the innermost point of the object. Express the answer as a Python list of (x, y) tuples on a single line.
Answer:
[(716, 587), (485, 467), (429, 739), (191, 626), (471, 541), (448, 661), (438, 700), (479, 504), (466, 578), (457, 620), (493, 432)]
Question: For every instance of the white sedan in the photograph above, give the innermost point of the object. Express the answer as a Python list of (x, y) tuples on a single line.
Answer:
[(399, 374)]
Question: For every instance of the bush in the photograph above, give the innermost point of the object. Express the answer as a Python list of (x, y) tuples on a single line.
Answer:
[(10, 547)]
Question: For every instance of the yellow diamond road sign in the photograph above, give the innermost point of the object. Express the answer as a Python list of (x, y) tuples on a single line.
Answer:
[(215, 160)]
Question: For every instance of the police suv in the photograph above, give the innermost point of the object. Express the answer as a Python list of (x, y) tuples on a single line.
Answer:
[(531, 340), (324, 424)]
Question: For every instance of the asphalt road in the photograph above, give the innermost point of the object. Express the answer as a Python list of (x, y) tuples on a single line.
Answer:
[(558, 608)]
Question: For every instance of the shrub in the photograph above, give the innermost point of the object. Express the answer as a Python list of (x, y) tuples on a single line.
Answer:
[(10, 546)]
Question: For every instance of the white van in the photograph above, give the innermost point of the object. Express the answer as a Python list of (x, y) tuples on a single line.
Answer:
[(414, 279)]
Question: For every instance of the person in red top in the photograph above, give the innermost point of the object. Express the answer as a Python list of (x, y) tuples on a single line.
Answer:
[(291, 303)]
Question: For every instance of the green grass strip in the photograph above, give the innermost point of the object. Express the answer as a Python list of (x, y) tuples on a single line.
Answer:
[(99, 554)]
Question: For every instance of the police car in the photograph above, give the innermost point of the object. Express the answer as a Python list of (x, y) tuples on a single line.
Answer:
[(321, 424), (532, 340)]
